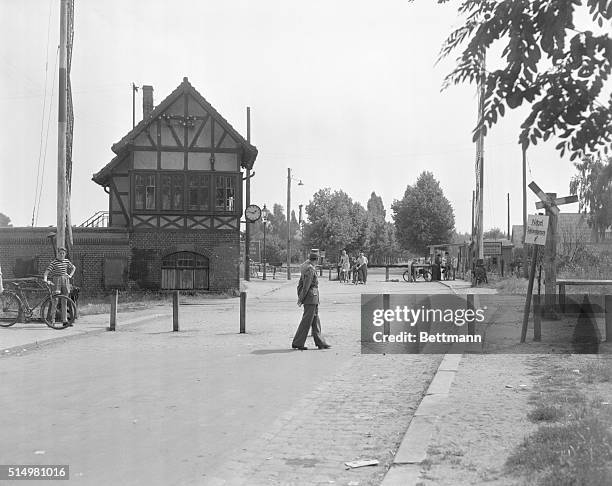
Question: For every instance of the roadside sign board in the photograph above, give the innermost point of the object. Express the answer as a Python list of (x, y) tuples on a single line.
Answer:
[(537, 227), (491, 248)]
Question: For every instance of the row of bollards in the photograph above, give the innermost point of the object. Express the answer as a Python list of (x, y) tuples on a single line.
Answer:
[(175, 311), (113, 311)]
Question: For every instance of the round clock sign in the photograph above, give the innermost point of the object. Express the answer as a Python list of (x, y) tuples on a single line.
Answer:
[(252, 213)]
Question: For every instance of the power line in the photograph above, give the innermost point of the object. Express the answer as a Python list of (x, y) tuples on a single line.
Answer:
[(42, 121), (42, 177)]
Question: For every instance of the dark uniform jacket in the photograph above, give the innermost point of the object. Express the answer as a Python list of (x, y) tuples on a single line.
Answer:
[(308, 286)]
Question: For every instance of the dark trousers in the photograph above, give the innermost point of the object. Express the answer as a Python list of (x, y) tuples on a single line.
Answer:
[(310, 320)]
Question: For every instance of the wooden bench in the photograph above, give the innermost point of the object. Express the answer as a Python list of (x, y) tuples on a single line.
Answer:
[(563, 282)]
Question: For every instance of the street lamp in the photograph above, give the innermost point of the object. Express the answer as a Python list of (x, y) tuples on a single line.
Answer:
[(264, 220), (300, 183)]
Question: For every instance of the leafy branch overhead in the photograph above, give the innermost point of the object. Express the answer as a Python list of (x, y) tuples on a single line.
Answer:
[(559, 70)]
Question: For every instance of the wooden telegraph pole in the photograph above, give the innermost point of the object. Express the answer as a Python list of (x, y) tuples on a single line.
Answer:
[(60, 240), (525, 271), (508, 215), (479, 207), (550, 256)]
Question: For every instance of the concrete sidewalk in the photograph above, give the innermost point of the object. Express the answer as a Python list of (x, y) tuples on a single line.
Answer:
[(26, 336)]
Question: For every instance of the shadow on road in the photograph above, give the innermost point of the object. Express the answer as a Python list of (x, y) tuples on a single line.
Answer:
[(272, 351)]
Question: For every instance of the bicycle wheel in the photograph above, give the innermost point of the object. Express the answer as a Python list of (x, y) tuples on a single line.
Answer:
[(10, 309), (407, 276), (426, 276), (51, 311)]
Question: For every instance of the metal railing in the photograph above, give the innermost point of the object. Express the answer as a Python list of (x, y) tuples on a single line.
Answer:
[(98, 220)]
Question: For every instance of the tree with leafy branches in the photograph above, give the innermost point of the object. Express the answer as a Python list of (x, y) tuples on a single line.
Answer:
[(593, 185), (424, 216), (557, 67)]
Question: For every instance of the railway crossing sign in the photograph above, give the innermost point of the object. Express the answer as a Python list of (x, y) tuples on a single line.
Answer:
[(548, 203), (537, 228)]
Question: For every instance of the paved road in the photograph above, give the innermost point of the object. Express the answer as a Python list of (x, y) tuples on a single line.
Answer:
[(210, 406)]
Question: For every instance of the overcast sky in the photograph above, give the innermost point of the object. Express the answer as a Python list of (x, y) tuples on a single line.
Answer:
[(345, 92)]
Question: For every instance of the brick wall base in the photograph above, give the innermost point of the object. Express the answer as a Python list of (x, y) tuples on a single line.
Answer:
[(29, 250)]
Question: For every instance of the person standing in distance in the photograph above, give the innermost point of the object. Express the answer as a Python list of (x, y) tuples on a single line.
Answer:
[(61, 271), (308, 295)]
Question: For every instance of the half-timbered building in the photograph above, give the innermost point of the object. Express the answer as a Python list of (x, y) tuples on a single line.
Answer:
[(174, 205), (175, 185)]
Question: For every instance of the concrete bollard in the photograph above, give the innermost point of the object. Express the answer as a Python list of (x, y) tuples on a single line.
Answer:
[(113, 311), (470, 306), (386, 274), (243, 298), (175, 311), (387, 324), (608, 317)]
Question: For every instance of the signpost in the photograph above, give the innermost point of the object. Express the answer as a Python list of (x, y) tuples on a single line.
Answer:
[(542, 230), (491, 248), (537, 229)]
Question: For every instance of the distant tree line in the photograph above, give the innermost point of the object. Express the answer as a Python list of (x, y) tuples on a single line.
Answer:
[(334, 222)]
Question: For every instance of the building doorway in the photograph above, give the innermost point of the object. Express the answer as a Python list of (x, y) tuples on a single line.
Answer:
[(185, 270)]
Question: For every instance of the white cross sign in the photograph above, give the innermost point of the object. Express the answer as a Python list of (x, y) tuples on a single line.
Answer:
[(549, 203), (537, 227)]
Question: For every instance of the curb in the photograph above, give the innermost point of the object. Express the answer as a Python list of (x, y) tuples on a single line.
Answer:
[(406, 466), (13, 350)]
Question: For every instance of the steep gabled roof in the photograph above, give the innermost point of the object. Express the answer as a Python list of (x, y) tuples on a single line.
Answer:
[(247, 155)]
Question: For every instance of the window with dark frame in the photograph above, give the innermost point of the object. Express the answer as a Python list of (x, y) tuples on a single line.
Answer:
[(172, 188), (144, 191), (180, 192), (198, 192), (225, 193)]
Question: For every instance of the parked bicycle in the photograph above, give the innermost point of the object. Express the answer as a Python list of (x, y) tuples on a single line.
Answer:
[(418, 271), (23, 296)]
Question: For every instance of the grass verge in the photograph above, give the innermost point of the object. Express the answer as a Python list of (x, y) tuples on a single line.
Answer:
[(573, 444), (140, 300)]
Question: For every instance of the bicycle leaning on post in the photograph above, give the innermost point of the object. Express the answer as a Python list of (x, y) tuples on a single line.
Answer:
[(23, 296)]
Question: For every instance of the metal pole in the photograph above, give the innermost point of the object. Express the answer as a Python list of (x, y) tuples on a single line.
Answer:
[(175, 311), (264, 251), (243, 296), (247, 228), (113, 312), (62, 126), (288, 224)]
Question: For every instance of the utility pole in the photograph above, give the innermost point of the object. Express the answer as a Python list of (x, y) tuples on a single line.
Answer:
[(480, 163), (473, 199), (247, 227), (288, 223), (60, 240), (508, 215)]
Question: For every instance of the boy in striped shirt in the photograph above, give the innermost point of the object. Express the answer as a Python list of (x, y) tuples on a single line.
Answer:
[(61, 271)]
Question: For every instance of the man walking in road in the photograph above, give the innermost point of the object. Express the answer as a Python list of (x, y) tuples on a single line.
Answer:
[(308, 295)]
